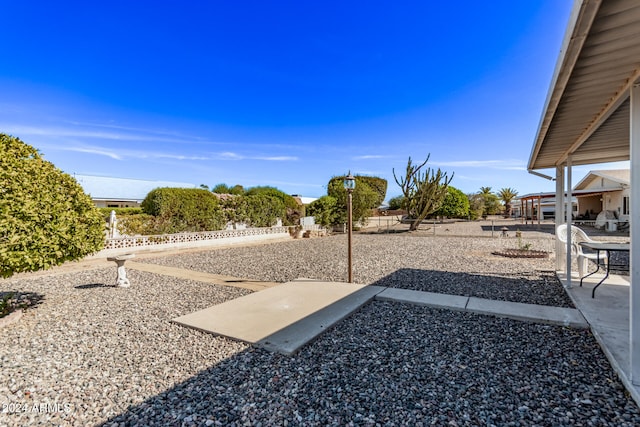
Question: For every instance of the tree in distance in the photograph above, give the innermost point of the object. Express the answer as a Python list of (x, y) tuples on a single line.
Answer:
[(45, 216), (507, 195), (454, 205), (491, 202), (423, 191)]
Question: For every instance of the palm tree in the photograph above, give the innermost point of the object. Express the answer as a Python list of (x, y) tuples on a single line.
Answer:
[(507, 195), (485, 191)]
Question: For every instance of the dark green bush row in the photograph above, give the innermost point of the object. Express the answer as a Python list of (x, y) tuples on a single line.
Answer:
[(178, 210), (254, 210), (293, 210)]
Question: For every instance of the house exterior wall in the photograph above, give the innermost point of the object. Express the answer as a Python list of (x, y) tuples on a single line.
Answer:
[(116, 203), (589, 206), (611, 198)]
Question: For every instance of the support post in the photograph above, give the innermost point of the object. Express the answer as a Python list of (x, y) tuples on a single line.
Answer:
[(539, 210), (634, 233), (568, 218), (559, 216)]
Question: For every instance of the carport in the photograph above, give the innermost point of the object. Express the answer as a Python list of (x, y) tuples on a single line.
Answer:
[(592, 115)]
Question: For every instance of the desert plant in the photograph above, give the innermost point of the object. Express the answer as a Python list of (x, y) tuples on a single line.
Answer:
[(45, 216), (423, 191)]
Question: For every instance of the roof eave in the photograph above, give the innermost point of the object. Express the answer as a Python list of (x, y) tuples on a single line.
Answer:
[(580, 21)]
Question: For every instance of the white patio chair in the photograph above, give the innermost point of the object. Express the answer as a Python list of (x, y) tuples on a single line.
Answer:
[(577, 236)]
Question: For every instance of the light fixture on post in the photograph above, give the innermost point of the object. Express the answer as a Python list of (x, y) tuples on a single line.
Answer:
[(349, 185)]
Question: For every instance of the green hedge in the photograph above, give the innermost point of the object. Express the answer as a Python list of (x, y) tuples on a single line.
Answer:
[(293, 210), (45, 216), (120, 212), (183, 209)]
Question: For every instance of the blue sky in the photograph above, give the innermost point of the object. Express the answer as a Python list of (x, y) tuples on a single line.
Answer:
[(286, 94)]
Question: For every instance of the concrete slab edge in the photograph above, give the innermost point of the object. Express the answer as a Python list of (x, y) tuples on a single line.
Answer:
[(429, 299), (290, 339), (568, 317), (633, 390), (518, 311)]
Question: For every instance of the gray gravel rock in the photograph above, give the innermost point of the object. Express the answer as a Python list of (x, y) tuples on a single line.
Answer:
[(97, 354), (452, 265), (396, 364)]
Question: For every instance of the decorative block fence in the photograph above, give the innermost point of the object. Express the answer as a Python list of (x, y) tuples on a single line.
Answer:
[(185, 240)]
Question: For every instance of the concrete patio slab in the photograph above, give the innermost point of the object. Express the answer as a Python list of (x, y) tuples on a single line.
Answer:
[(284, 317), (528, 312), (608, 316), (452, 302), (293, 337)]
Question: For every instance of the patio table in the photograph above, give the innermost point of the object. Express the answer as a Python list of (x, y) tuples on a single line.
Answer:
[(607, 247)]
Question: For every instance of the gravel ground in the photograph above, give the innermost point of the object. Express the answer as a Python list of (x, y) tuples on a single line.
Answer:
[(98, 349), (452, 265), (103, 355)]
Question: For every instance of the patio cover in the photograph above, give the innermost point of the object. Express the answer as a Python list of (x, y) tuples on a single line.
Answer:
[(592, 115)]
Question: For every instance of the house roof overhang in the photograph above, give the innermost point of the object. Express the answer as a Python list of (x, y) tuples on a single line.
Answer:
[(586, 113)]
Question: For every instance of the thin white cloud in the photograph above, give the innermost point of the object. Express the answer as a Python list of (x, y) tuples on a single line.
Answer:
[(179, 157), (97, 134), (371, 156), (277, 158), (488, 164), (228, 155), (93, 150)]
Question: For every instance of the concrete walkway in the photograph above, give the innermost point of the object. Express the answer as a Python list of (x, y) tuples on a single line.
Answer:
[(286, 317), (608, 317)]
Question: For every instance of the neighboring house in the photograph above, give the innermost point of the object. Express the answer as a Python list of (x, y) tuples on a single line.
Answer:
[(528, 205), (604, 190), (108, 192)]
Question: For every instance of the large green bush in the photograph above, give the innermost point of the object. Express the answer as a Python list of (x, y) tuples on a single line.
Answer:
[(257, 210), (45, 216), (324, 210), (454, 205), (397, 203), (261, 210), (379, 185), (364, 198), (293, 210), (183, 210)]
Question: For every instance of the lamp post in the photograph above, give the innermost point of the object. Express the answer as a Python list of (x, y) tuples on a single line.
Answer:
[(349, 185)]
